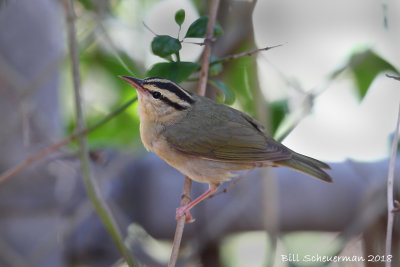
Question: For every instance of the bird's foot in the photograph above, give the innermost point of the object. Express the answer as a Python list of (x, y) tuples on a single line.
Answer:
[(184, 211)]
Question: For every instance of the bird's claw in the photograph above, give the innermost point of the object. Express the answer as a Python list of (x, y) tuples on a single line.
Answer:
[(183, 211)]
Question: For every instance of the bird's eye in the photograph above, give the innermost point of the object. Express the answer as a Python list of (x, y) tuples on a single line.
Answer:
[(156, 94)]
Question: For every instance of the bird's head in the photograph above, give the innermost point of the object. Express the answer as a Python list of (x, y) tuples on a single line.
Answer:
[(161, 100)]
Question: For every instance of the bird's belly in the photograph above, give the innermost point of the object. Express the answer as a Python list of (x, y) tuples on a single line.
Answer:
[(203, 170), (198, 169)]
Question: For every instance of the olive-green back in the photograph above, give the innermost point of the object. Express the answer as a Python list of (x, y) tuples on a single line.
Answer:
[(218, 132)]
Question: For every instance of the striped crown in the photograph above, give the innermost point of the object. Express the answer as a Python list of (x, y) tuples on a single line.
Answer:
[(169, 92)]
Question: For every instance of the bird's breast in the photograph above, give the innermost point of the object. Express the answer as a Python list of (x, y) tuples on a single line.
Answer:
[(150, 133)]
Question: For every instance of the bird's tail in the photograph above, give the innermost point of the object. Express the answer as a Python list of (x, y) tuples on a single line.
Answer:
[(307, 165)]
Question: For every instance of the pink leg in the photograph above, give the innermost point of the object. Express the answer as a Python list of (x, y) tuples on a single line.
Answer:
[(185, 210)]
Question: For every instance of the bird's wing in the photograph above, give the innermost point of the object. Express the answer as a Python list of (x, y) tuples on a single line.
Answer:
[(224, 134)]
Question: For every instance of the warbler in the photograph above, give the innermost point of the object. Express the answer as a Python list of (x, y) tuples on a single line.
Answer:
[(208, 141)]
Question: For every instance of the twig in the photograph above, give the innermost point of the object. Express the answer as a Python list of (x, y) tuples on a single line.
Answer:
[(32, 159), (91, 188), (180, 223), (148, 28), (243, 54), (201, 91), (393, 77), (390, 202)]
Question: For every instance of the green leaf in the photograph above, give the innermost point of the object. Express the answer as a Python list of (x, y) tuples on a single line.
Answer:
[(278, 110), (215, 69), (87, 4), (199, 27), (180, 16), (174, 71), (229, 95), (165, 45), (366, 66), (241, 76)]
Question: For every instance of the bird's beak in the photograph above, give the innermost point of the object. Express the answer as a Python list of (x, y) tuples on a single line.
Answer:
[(137, 83)]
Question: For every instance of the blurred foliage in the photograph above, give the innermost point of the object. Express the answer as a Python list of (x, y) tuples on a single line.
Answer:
[(87, 4), (226, 95), (366, 65), (278, 110), (123, 129), (240, 81)]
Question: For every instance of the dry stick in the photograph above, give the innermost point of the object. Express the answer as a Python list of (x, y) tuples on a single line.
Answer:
[(32, 159), (201, 91), (92, 190), (390, 201), (243, 54)]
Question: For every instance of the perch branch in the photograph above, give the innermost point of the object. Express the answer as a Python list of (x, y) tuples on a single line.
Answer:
[(201, 91)]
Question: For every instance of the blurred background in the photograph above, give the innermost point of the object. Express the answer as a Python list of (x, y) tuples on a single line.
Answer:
[(324, 93)]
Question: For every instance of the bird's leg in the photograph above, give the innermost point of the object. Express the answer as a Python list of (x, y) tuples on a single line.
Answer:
[(185, 210)]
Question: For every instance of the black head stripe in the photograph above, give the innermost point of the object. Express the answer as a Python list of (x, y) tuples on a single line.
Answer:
[(172, 87), (172, 104)]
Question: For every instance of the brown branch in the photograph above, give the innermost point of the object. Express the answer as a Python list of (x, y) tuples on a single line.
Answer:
[(180, 223), (32, 159), (201, 91), (205, 60)]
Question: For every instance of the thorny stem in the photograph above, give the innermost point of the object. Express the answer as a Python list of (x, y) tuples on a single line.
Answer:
[(201, 91), (243, 54), (91, 187)]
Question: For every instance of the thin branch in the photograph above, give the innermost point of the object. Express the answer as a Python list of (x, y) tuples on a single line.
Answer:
[(393, 77), (148, 28), (243, 54), (180, 223), (34, 158), (91, 188), (390, 202), (201, 91)]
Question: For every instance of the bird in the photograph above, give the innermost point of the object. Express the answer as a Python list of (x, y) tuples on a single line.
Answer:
[(208, 141)]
